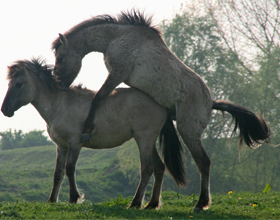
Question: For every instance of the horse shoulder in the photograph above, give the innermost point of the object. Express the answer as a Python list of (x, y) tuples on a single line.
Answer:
[(70, 114)]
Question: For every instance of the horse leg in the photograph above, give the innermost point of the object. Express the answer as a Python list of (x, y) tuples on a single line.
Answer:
[(145, 173), (109, 85), (158, 174), (73, 154), (191, 127), (59, 173)]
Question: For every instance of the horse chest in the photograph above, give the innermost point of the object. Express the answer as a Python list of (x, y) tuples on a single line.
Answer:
[(59, 139)]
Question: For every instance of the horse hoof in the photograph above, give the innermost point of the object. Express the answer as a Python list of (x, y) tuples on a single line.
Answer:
[(134, 206), (151, 207), (197, 210), (85, 137), (52, 201)]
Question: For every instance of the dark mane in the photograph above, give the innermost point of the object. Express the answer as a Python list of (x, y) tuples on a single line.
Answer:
[(133, 17), (36, 65)]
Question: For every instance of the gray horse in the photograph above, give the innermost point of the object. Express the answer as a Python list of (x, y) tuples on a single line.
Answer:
[(124, 114), (136, 54)]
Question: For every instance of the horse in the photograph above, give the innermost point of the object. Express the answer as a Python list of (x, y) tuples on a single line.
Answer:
[(126, 113), (136, 54)]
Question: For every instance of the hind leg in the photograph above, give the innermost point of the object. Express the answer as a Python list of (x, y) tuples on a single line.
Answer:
[(158, 174), (191, 122), (146, 151)]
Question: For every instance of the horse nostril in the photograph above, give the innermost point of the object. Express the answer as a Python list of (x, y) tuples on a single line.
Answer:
[(5, 109)]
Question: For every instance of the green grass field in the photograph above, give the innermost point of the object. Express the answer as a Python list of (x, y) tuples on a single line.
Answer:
[(229, 206), (26, 177), (27, 174)]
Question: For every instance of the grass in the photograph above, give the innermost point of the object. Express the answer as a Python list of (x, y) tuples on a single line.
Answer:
[(27, 174), (174, 206), (26, 177)]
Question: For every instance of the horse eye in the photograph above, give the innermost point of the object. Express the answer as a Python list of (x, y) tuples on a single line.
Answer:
[(59, 60), (18, 85)]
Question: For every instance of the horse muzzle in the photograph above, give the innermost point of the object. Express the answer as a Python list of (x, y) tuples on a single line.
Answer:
[(7, 111)]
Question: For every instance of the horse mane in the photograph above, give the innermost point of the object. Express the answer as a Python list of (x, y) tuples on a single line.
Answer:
[(133, 17), (37, 66), (81, 89), (43, 71)]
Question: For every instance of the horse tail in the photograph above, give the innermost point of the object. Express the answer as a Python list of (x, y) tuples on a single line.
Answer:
[(253, 129), (171, 148)]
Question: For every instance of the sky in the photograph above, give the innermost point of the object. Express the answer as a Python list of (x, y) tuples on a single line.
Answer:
[(28, 28)]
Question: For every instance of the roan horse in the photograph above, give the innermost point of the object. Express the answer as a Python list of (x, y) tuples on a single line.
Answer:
[(136, 54), (124, 114)]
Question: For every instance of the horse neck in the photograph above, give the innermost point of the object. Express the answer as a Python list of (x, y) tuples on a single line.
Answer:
[(96, 38), (45, 101)]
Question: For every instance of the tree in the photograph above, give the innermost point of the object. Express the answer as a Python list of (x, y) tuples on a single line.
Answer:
[(11, 140), (251, 29), (35, 138)]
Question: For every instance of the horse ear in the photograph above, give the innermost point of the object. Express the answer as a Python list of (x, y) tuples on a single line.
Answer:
[(63, 40), (23, 70)]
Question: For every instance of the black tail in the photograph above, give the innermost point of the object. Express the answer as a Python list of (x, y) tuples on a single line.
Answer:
[(172, 153), (253, 129)]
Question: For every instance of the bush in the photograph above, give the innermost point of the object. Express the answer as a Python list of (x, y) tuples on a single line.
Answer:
[(17, 139)]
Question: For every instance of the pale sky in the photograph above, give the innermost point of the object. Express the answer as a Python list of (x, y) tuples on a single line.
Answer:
[(28, 28)]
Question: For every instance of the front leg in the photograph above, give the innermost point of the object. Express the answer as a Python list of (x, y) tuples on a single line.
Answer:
[(59, 173), (73, 154), (109, 85)]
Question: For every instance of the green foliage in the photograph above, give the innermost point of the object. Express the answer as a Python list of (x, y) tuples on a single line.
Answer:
[(117, 202), (35, 138), (267, 188), (195, 41), (129, 161), (17, 139), (224, 206), (11, 140)]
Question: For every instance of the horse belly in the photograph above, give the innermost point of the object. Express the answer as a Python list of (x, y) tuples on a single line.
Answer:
[(109, 134), (110, 141)]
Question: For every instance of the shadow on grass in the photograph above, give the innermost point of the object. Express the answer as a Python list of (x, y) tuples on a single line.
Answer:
[(87, 210), (115, 212)]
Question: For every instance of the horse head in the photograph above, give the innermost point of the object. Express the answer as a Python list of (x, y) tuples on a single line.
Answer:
[(20, 91), (67, 63)]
